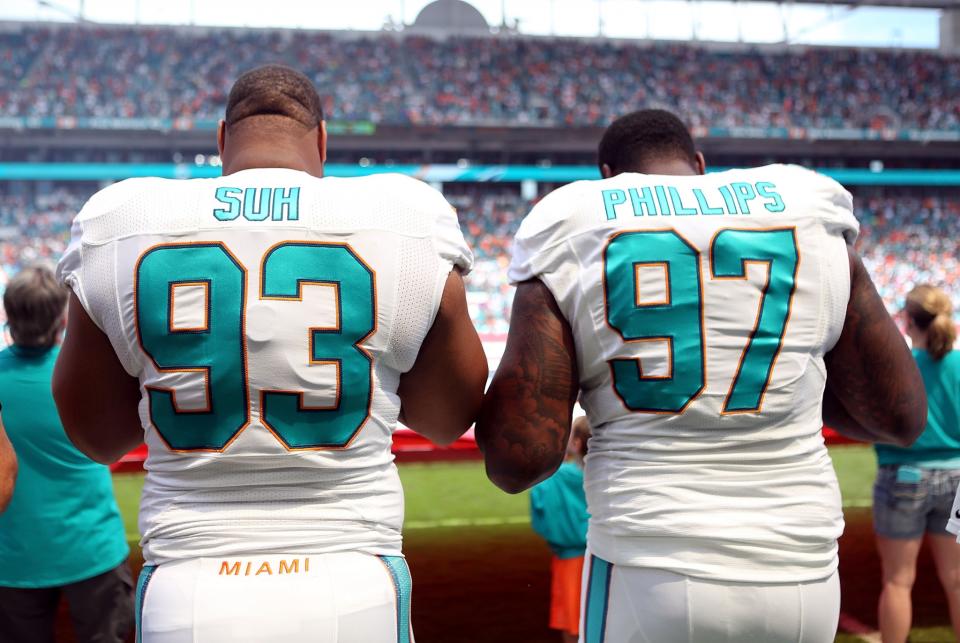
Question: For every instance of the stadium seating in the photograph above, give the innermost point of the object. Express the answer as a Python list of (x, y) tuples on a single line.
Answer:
[(181, 73)]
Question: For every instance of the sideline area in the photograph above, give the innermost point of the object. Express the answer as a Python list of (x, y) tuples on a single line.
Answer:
[(459, 526)]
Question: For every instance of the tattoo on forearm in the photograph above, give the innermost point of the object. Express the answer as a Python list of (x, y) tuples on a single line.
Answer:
[(525, 419)]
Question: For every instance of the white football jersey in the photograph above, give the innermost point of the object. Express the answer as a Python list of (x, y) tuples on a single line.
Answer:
[(269, 316), (701, 308)]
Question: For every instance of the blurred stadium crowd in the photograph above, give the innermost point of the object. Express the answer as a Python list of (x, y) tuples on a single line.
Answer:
[(904, 240), (170, 73)]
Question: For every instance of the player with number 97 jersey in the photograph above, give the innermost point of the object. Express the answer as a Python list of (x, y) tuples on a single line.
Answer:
[(697, 316), (701, 308)]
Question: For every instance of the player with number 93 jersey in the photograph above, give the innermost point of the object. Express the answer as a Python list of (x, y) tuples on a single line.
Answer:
[(269, 317), (266, 342)]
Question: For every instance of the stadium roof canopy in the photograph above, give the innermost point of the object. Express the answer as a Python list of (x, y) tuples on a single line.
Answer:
[(912, 4), (451, 15)]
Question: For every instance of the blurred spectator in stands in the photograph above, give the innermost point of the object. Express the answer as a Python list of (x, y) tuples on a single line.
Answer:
[(558, 511), (70, 71), (915, 486), (62, 533), (8, 469)]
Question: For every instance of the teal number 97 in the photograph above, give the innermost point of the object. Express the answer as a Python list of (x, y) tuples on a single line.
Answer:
[(216, 350), (679, 319)]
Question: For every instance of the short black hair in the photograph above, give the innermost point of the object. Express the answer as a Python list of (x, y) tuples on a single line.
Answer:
[(274, 90), (634, 140)]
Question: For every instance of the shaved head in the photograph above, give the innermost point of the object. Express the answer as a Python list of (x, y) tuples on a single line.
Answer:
[(274, 90), (646, 141)]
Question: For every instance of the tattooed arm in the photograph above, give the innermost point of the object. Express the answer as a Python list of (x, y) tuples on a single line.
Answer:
[(525, 417), (874, 389)]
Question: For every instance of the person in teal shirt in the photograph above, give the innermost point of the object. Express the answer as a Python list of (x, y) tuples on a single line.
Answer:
[(558, 512), (915, 486), (61, 533)]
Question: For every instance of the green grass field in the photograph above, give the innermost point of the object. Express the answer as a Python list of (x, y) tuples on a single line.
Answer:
[(444, 498), (438, 495), (458, 493)]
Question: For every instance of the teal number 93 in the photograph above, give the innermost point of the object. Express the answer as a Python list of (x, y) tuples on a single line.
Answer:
[(679, 319), (217, 348)]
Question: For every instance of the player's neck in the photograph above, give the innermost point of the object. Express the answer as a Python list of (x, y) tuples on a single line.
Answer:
[(670, 167), (273, 155)]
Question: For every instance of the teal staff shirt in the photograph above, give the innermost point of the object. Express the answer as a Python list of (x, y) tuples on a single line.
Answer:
[(558, 511), (62, 524), (938, 447)]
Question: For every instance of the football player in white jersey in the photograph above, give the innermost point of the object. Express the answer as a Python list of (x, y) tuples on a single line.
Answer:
[(264, 332), (709, 323)]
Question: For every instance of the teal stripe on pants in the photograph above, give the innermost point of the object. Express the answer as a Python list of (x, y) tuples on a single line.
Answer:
[(598, 598), (400, 573), (145, 574)]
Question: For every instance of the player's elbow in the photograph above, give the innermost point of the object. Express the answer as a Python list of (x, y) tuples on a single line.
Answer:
[(101, 456), (513, 475), (910, 425), (95, 452), (445, 434), (509, 481), (905, 425), (910, 415), (443, 429)]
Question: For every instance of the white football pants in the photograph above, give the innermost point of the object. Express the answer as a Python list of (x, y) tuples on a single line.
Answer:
[(642, 605), (330, 598)]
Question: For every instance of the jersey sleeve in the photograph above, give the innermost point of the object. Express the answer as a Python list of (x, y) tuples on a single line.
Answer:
[(433, 212), (449, 241), (528, 244), (72, 270), (836, 204), (88, 265), (544, 230), (68, 270), (542, 249)]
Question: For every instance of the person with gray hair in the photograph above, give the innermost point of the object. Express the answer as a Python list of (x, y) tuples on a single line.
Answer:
[(61, 534)]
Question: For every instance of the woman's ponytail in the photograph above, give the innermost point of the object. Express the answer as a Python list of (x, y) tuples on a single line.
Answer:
[(932, 312)]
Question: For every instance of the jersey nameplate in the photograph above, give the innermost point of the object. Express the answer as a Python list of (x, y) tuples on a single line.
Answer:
[(258, 204), (670, 200)]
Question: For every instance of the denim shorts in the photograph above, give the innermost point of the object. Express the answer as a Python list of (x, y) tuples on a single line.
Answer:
[(910, 501)]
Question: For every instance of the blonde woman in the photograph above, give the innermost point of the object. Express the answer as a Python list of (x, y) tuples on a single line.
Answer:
[(915, 485)]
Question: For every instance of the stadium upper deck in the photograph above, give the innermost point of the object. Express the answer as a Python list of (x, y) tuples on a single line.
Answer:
[(412, 98), (81, 76)]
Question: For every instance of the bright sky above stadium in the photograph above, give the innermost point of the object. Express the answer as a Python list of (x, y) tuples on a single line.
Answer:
[(660, 19)]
